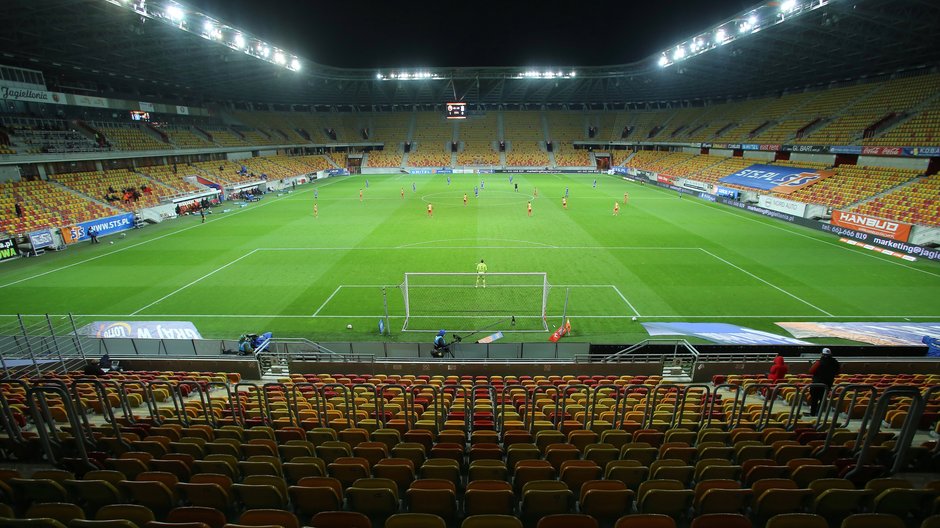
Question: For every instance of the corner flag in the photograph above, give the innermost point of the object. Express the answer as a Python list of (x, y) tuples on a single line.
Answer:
[(562, 331)]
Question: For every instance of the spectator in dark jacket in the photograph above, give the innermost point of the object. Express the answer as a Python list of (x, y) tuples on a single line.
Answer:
[(779, 370), (93, 369), (824, 372)]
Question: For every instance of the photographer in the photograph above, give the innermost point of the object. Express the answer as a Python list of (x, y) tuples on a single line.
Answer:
[(440, 345)]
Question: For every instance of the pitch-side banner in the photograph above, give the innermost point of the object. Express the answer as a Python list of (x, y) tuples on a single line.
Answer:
[(882, 334), (721, 333), (141, 329), (782, 204), (8, 249), (870, 224), (784, 180), (13, 93), (104, 226)]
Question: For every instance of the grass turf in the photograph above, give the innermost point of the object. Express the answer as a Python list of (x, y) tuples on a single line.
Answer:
[(272, 265)]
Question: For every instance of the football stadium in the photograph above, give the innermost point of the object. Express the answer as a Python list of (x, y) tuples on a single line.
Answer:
[(679, 272)]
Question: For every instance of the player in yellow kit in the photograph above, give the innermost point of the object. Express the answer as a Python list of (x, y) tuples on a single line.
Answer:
[(430, 210), (626, 198), (402, 193), (564, 202), (529, 207), (616, 209), (481, 273), (465, 199), (360, 195), (316, 212)]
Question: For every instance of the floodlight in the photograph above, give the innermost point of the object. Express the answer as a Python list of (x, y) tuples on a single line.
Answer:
[(752, 21), (209, 27), (378, 76), (279, 58), (574, 73), (788, 5), (239, 41), (295, 64), (174, 13), (663, 61), (720, 36), (680, 52)]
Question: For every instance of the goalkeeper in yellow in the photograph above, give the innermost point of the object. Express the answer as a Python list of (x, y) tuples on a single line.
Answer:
[(481, 273)]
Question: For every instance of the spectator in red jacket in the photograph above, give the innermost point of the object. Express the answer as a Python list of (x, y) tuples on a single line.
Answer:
[(779, 370)]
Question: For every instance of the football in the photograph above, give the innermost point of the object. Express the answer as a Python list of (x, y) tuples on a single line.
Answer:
[(112, 242), (634, 318), (349, 327)]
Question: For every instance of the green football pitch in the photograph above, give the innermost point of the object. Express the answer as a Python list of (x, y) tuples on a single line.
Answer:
[(273, 266)]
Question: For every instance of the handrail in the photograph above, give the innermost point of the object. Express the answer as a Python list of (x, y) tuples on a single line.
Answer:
[(649, 342), (905, 436)]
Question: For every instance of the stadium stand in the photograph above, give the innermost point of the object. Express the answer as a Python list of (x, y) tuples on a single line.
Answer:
[(432, 137), (174, 179), (553, 450), (44, 205), (184, 137), (852, 184), (225, 137), (567, 156), (919, 131), (223, 172), (917, 203), (567, 126), (478, 138), (717, 171), (390, 129), (277, 125), (691, 166), (35, 136), (525, 137), (99, 185), (129, 137), (803, 164), (383, 158)]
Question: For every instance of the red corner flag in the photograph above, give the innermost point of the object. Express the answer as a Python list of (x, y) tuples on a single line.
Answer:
[(562, 331)]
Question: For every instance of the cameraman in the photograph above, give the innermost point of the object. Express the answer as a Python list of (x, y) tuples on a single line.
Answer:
[(440, 345)]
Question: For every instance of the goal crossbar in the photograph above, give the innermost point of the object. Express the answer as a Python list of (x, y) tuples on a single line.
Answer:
[(465, 302)]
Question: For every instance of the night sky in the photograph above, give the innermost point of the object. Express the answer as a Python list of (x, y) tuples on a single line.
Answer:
[(356, 34)]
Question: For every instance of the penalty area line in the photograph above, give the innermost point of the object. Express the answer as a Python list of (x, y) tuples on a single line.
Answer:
[(328, 299), (616, 289)]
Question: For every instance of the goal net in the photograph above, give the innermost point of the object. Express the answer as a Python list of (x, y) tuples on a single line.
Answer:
[(467, 302)]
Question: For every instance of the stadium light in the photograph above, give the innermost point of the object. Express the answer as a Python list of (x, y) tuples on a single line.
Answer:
[(175, 13), (183, 18), (279, 58), (768, 13)]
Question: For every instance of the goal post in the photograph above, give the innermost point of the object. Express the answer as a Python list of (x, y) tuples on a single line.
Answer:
[(467, 302)]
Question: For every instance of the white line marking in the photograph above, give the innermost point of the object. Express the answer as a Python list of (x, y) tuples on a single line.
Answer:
[(576, 248), (616, 289), (178, 231), (414, 244), (328, 299), (174, 292), (774, 286), (722, 209)]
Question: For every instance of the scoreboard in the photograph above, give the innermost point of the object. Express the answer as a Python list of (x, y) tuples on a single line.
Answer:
[(456, 110)]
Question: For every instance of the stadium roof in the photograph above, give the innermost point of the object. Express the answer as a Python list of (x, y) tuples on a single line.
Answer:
[(100, 46)]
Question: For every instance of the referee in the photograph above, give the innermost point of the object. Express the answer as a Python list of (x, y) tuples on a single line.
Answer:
[(481, 273)]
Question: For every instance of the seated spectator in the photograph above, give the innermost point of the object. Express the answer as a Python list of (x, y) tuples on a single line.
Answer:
[(779, 370), (93, 369)]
